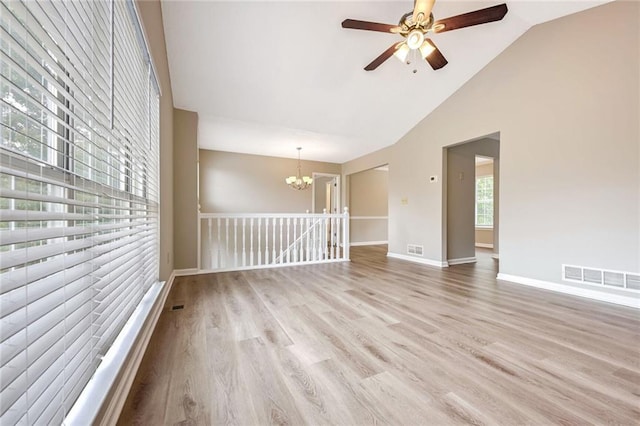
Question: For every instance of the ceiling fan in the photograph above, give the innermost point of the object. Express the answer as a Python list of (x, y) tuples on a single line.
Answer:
[(415, 25)]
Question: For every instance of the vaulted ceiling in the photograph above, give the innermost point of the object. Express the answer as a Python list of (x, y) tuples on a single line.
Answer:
[(268, 76)]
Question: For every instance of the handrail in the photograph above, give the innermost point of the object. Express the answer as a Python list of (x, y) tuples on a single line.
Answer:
[(269, 215)]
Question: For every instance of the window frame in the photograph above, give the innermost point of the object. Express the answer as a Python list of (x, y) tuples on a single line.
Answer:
[(484, 201)]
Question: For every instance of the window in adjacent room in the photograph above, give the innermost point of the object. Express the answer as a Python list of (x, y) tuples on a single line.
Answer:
[(484, 200)]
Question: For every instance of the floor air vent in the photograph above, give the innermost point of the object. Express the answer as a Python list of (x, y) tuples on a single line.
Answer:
[(601, 277), (414, 249)]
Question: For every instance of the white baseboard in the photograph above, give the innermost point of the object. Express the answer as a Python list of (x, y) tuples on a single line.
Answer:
[(186, 272), (421, 260), (630, 301), (484, 245), (368, 243), (462, 260)]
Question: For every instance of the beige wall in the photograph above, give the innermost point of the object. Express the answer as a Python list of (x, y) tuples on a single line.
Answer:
[(185, 183), (151, 16), (360, 164), (242, 183), (562, 111), (368, 198)]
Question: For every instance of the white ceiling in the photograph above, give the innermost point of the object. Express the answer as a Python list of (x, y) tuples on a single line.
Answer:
[(268, 76)]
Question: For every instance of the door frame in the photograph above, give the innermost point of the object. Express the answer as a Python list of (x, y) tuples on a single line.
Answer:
[(336, 196)]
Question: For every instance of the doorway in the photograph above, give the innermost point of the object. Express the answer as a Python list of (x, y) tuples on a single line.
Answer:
[(472, 198), (325, 193)]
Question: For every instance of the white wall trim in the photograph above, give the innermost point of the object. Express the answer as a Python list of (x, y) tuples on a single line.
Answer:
[(104, 396), (369, 217), (186, 272), (421, 260), (462, 260), (484, 245), (633, 302), (368, 243)]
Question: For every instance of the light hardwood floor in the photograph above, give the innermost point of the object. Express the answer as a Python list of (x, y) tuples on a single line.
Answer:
[(383, 341)]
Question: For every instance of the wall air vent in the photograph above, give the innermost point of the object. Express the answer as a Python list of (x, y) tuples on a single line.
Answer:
[(601, 277), (633, 281), (613, 279), (592, 276), (414, 250), (572, 273)]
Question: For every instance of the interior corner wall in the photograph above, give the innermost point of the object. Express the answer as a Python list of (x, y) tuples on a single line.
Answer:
[(185, 183), (563, 112), (244, 183), (151, 16), (368, 204)]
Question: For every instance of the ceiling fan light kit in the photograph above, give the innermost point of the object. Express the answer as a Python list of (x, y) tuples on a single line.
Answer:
[(413, 27)]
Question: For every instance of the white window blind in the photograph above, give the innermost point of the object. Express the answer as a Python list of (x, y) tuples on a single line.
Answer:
[(79, 179)]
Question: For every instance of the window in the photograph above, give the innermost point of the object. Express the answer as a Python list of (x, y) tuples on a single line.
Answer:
[(484, 201), (79, 127)]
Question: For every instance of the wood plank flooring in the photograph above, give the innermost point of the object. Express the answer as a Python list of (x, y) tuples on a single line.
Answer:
[(383, 341)]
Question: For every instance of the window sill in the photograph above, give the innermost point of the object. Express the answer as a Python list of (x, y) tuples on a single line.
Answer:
[(483, 228)]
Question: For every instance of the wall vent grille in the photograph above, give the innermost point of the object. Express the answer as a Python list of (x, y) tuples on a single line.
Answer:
[(633, 281), (601, 277), (414, 250)]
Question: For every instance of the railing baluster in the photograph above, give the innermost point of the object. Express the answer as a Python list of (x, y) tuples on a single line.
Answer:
[(244, 239), (226, 242), (333, 241), (308, 239), (259, 242), (314, 241), (295, 240), (266, 241), (288, 240), (300, 253), (219, 248), (210, 243), (345, 238), (273, 259), (251, 245), (338, 235), (281, 240), (235, 242), (325, 230)]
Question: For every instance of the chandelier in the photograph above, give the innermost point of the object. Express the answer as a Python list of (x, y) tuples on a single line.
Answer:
[(299, 182)]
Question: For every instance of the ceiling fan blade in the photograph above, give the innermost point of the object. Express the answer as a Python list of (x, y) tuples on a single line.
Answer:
[(369, 26), (423, 7), (482, 16), (383, 57), (436, 59)]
